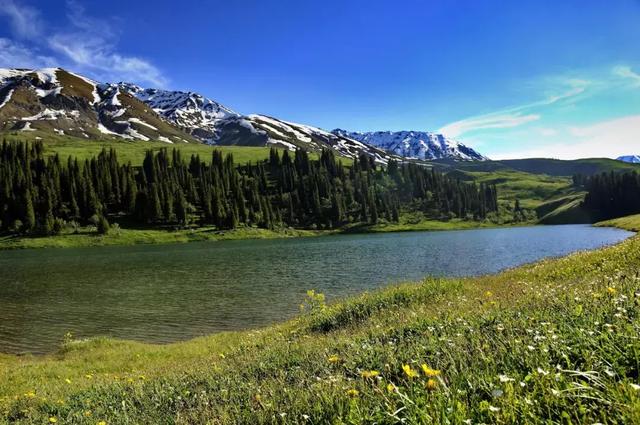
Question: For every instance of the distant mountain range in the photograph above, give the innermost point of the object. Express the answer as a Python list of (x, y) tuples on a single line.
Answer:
[(60, 102), (634, 159), (415, 144)]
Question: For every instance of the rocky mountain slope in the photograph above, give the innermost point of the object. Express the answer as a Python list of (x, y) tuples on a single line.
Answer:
[(415, 144), (61, 102), (633, 159)]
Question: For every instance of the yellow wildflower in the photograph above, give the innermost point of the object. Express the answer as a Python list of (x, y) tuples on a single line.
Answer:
[(611, 290), (488, 294), (334, 359), (391, 388), (88, 376), (369, 373), (87, 412), (429, 372), (53, 419), (431, 385), (101, 423), (30, 394), (222, 356), (409, 372), (353, 392), (68, 381)]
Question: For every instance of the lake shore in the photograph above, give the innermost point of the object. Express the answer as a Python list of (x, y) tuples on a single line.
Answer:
[(506, 331), (127, 236)]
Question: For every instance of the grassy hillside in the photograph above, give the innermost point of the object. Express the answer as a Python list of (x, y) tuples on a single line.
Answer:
[(631, 222), (134, 151), (557, 167), (551, 342)]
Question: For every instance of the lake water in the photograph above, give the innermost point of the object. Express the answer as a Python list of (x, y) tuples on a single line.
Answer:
[(164, 293)]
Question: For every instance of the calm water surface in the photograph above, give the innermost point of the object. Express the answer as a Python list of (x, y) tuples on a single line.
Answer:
[(163, 293)]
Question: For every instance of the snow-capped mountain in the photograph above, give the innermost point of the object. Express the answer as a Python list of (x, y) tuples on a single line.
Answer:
[(634, 159), (415, 144), (56, 101), (190, 111), (60, 102)]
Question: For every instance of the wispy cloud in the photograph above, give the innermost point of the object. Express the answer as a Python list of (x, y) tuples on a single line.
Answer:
[(25, 21), (505, 120), (511, 117), (17, 55), (87, 45), (628, 73)]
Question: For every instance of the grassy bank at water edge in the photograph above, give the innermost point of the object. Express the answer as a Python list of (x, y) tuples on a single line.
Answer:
[(551, 342)]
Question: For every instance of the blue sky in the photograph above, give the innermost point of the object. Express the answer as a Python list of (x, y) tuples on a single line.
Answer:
[(511, 79)]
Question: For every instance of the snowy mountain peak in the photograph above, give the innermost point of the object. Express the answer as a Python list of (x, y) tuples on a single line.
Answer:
[(634, 159), (191, 111), (415, 144)]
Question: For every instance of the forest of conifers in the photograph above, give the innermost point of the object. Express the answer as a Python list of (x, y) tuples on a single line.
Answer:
[(611, 195), (41, 194)]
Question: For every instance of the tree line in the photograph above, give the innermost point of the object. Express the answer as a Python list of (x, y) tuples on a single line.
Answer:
[(611, 195), (41, 194)]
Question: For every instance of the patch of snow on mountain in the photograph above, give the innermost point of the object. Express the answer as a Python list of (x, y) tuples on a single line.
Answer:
[(6, 100), (47, 75), (633, 159), (139, 121)]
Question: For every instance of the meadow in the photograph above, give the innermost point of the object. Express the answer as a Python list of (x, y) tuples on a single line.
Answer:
[(550, 342)]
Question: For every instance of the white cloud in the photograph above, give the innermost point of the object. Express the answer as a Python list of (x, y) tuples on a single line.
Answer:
[(606, 139), (86, 45), (16, 55), (24, 20), (627, 72), (512, 117), (487, 121)]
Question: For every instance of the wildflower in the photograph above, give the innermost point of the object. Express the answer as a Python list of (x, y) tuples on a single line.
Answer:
[(409, 372), (334, 359), (68, 381), (611, 291), (429, 372), (488, 294), (101, 423), (369, 373), (494, 409), (53, 419), (222, 356), (431, 385), (391, 388), (30, 394), (505, 378), (88, 376), (635, 387), (87, 413), (353, 392)]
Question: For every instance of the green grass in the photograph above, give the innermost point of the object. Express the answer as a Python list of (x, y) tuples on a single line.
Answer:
[(551, 342), (630, 222), (531, 190), (88, 237), (134, 151)]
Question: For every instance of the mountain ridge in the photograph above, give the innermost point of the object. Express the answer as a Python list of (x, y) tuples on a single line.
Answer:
[(65, 103), (421, 145)]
